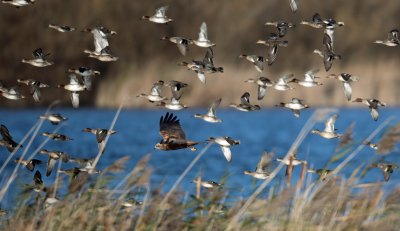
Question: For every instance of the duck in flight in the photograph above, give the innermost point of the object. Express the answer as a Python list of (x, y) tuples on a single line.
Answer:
[(176, 90), (86, 73), (309, 79), (35, 87), (272, 43), (155, 93), (392, 39), (295, 105), (203, 40), (262, 83), (181, 42), (211, 114), (225, 143), (61, 29), (261, 171), (245, 104), (282, 27), (74, 86), (256, 60), (54, 118), (159, 16), (329, 132), (29, 164), (327, 55), (101, 135), (346, 79), (39, 59), (53, 157), (373, 105)]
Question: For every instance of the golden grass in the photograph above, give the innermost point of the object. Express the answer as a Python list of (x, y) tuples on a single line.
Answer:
[(233, 25)]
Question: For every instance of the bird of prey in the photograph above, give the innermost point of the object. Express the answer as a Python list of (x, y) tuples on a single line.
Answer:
[(7, 140), (173, 136)]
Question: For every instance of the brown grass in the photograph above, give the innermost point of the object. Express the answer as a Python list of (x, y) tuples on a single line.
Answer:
[(233, 25)]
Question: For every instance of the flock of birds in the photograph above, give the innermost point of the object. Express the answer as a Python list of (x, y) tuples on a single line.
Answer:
[(173, 136)]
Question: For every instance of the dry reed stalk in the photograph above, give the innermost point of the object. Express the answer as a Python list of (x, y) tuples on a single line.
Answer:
[(234, 222), (303, 175), (96, 160), (177, 182), (289, 171), (361, 146)]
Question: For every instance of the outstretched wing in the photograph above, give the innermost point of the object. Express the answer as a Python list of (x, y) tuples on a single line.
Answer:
[(203, 32), (347, 90), (100, 41), (309, 76), (208, 58), (227, 152), (294, 5), (393, 35), (75, 99), (5, 133), (156, 88), (264, 163), (245, 99), (160, 12), (170, 128), (211, 109), (272, 51), (50, 165), (330, 123)]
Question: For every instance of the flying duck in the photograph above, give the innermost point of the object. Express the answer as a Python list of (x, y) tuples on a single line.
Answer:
[(272, 43), (155, 93), (35, 87), (295, 105), (261, 169), (101, 134), (309, 79), (346, 79), (329, 132), (245, 104), (262, 83), (203, 40), (39, 59), (373, 105), (211, 115), (159, 16), (225, 143)]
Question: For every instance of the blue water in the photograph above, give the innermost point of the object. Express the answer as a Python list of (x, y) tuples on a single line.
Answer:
[(137, 132)]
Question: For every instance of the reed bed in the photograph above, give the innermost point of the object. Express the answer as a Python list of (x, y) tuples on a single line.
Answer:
[(334, 204), (338, 202)]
